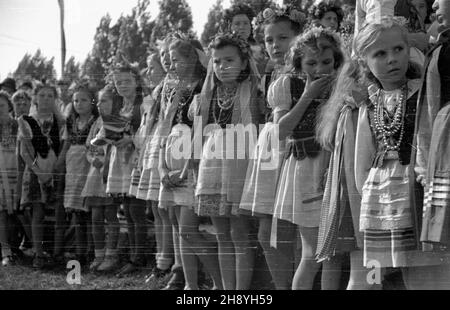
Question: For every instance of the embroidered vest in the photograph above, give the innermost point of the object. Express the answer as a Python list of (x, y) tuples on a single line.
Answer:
[(40, 141), (302, 142), (76, 136), (181, 116), (408, 135)]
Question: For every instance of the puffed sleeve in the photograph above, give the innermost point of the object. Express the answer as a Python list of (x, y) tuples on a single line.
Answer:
[(279, 95), (24, 130)]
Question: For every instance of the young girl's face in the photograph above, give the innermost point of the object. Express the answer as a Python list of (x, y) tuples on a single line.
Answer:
[(330, 20), (242, 26), (45, 100), (181, 66), (105, 103), (21, 106), (4, 108), (388, 57), (278, 37), (82, 103), (227, 63), (165, 59), (125, 84), (315, 65), (155, 71)]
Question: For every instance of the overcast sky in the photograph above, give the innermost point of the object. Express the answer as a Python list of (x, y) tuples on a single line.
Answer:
[(26, 25)]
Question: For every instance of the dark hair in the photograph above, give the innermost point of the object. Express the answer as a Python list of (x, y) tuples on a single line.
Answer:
[(296, 27), (126, 67), (41, 86), (117, 100), (5, 95), (312, 39), (229, 39), (187, 49), (20, 94), (317, 12), (92, 96), (238, 9)]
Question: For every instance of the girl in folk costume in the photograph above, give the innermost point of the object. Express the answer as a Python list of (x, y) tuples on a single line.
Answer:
[(339, 222), (78, 125), (384, 156), (102, 206), (8, 171), (155, 74), (128, 84), (280, 28), (40, 144), (317, 55), (229, 98), (149, 184), (433, 166), (177, 177), (22, 103), (238, 19)]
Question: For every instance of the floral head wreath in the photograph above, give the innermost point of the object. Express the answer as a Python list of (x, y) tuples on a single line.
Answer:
[(270, 14), (237, 40), (189, 37), (83, 85)]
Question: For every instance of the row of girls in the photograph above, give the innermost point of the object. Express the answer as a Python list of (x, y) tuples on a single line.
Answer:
[(345, 131), (342, 134)]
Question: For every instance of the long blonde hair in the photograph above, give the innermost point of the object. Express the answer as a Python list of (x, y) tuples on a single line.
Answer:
[(329, 113)]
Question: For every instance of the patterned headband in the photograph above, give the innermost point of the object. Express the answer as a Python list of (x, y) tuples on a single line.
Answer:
[(290, 12)]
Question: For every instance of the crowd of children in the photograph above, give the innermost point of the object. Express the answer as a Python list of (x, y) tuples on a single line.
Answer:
[(330, 152)]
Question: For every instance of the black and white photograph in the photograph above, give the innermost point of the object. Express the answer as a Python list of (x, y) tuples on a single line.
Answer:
[(224, 145)]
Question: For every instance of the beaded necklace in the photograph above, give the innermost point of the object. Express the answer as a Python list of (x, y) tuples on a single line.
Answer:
[(225, 102), (78, 136), (386, 130)]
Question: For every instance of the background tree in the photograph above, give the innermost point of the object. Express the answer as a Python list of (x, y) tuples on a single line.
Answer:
[(212, 26), (135, 34), (72, 69), (256, 5), (131, 35), (37, 67), (98, 60), (174, 15)]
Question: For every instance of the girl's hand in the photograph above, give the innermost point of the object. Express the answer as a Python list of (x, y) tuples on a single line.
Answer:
[(176, 177), (124, 142), (315, 89), (97, 163), (165, 179), (422, 180)]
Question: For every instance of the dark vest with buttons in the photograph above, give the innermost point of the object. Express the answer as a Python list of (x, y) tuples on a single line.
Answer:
[(302, 143), (408, 135)]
